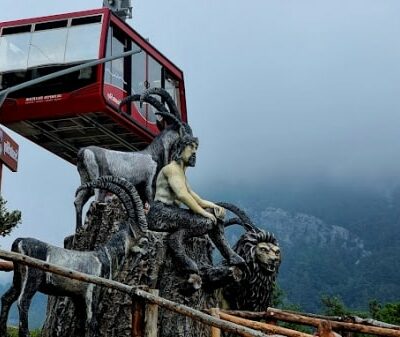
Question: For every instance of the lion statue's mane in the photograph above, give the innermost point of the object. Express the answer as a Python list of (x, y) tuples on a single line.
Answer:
[(254, 291)]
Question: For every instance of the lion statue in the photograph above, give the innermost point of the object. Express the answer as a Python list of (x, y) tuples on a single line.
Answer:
[(260, 250)]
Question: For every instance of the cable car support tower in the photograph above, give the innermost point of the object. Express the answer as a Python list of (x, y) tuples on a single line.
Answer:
[(121, 8)]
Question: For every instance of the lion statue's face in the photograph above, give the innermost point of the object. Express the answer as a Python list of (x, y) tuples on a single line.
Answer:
[(260, 250), (268, 256)]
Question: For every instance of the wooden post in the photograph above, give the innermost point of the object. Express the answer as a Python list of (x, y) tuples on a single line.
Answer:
[(325, 329), (151, 317), (215, 332), (137, 317)]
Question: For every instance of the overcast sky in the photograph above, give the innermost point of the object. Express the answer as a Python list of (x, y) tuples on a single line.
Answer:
[(276, 91)]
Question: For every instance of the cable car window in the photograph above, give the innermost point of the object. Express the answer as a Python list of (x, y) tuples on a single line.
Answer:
[(51, 25), (153, 80), (138, 71), (14, 51), (16, 30), (83, 42), (139, 79), (134, 74), (114, 70), (172, 86), (154, 73), (47, 47), (86, 19)]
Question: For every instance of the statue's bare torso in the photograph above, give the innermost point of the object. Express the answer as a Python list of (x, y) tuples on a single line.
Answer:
[(164, 191)]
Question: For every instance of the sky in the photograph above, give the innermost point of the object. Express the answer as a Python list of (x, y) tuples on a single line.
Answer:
[(277, 91)]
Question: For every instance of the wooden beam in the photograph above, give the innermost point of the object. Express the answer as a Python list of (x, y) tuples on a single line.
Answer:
[(347, 319), (6, 266), (354, 327), (52, 268), (268, 328), (133, 291), (309, 319)]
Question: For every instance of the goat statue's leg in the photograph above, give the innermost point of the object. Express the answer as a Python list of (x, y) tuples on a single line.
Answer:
[(90, 323), (81, 199), (30, 283), (149, 192), (80, 314), (150, 185), (7, 300)]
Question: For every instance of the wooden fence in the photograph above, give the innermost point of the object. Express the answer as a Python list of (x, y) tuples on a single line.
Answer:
[(243, 323), (325, 325), (139, 297)]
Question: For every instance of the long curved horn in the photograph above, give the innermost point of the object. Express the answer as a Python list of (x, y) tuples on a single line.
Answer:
[(161, 109), (173, 109), (245, 221), (172, 117), (129, 188), (136, 98), (126, 192)]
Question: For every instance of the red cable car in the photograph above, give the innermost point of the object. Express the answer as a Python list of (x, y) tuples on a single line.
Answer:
[(78, 109)]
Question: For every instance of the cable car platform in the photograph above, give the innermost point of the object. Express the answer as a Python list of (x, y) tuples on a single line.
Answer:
[(65, 136)]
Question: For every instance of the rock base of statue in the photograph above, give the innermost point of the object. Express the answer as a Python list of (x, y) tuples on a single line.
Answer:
[(153, 267)]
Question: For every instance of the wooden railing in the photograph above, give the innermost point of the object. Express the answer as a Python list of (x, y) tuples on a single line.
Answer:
[(325, 325), (243, 323), (138, 294)]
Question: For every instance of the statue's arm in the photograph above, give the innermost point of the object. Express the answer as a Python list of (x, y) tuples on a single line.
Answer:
[(218, 210), (203, 203)]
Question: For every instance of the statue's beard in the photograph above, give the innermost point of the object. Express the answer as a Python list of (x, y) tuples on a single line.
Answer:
[(192, 161)]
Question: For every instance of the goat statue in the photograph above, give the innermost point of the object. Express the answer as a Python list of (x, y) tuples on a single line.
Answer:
[(103, 262), (138, 167)]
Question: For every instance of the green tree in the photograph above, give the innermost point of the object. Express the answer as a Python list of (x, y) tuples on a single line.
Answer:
[(8, 220), (389, 312), (333, 306)]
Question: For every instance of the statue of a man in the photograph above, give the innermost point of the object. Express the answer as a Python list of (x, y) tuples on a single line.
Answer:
[(199, 218)]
